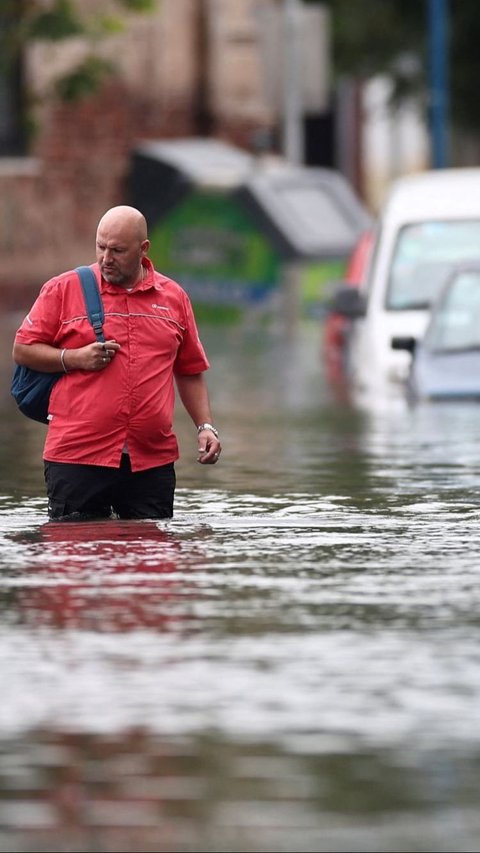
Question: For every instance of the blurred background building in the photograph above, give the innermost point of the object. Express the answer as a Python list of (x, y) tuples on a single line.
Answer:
[(96, 78)]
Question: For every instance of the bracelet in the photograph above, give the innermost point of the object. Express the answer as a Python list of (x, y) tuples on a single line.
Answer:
[(62, 359), (201, 427)]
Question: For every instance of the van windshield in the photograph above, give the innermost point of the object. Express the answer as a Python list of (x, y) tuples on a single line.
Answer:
[(424, 255)]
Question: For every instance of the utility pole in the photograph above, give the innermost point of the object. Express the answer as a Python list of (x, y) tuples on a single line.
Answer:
[(293, 128), (438, 55)]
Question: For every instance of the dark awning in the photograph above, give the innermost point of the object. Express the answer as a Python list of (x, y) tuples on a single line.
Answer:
[(305, 212)]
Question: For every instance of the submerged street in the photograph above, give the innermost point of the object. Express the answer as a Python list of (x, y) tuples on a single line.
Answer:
[(290, 664)]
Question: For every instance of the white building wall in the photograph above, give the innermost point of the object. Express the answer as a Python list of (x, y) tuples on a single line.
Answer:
[(394, 141)]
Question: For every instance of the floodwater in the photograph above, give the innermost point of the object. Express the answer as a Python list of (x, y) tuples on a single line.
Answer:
[(290, 664)]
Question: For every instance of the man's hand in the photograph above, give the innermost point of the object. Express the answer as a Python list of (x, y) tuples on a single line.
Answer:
[(209, 448), (95, 356)]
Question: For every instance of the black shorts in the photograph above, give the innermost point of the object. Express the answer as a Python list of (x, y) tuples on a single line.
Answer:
[(81, 492)]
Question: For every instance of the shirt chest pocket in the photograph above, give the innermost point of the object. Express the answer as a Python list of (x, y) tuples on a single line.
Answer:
[(156, 335)]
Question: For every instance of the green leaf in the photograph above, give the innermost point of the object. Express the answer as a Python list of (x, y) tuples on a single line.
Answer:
[(85, 80), (110, 25), (139, 5), (58, 23)]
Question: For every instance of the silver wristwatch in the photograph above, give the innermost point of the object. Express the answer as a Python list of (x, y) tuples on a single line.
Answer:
[(201, 427)]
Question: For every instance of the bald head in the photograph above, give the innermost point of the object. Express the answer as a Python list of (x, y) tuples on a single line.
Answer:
[(125, 219), (121, 244)]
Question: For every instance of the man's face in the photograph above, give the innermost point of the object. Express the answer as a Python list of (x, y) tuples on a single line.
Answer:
[(119, 255)]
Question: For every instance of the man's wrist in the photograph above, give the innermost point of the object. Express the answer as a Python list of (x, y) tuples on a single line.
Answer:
[(62, 360), (205, 426)]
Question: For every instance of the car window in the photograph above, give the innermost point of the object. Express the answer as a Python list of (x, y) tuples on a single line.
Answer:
[(455, 322), (424, 256)]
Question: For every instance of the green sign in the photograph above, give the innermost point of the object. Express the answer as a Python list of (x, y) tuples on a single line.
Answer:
[(210, 245)]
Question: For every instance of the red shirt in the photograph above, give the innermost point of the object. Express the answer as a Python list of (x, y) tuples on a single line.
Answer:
[(93, 414)]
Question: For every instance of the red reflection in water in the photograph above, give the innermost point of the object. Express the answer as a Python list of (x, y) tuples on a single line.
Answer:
[(127, 791), (107, 576)]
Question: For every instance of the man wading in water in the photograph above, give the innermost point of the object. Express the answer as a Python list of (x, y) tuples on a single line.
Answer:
[(110, 448)]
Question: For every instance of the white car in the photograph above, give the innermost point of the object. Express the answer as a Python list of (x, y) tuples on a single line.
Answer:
[(446, 362), (430, 222)]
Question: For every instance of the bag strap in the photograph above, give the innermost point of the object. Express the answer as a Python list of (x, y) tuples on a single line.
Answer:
[(93, 300)]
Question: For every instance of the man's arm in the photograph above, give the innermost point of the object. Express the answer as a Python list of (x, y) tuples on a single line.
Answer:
[(48, 359), (38, 356), (193, 392)]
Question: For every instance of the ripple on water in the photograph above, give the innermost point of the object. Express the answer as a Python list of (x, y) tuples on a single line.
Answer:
[(255, 618)]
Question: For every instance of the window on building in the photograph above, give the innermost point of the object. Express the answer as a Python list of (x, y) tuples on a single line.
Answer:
[(12, 112)]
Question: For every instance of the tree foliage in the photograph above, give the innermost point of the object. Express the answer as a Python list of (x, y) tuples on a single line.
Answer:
[(392, 37), (60, 20)]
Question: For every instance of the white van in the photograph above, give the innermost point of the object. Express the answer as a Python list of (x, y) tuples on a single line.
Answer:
[(429, 223)]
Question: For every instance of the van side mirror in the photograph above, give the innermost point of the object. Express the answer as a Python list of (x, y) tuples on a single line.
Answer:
[(347, 300), (405, 343)]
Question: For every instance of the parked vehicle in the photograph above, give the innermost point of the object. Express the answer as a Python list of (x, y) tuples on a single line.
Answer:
[(429, 223), (446, 363), (337, 323)]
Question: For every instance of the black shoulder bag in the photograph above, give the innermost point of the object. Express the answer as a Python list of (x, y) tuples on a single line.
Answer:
[(32, 388)]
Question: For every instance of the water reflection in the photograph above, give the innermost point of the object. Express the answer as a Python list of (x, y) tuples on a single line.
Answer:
[(290, 663), (103, 576), (139, 792)]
